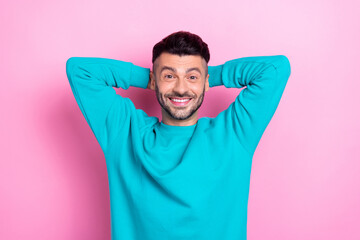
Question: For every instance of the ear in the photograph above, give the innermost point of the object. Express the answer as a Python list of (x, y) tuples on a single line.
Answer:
[(207, 83), (152, 81)]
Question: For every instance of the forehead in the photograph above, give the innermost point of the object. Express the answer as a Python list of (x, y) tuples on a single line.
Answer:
[(180, 63)]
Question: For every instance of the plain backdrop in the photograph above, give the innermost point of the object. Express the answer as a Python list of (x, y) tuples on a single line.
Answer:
[(305, 181)]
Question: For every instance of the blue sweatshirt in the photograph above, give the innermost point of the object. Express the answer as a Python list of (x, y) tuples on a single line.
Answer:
[(178, 182)]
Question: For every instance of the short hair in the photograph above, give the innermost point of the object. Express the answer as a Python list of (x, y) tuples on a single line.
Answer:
[(182, 43)]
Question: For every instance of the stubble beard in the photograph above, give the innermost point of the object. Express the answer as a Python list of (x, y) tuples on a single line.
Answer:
[(179, 114)]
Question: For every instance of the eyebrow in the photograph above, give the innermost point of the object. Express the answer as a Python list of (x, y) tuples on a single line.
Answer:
[(174, 70)]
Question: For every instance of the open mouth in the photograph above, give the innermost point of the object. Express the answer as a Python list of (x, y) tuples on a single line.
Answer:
[(180, 101)]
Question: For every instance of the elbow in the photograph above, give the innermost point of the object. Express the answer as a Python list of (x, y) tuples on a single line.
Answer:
[(285, 65), (282, 65), (71, 63)]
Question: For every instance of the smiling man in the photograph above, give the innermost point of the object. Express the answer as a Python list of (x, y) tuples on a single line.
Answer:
[(183, 177), (180, 86)]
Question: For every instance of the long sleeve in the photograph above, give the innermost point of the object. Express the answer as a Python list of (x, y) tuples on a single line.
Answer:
[(92, 81), (265, 78)]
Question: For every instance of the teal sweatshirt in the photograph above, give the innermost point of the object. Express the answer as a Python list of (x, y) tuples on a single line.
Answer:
[(178, 182)]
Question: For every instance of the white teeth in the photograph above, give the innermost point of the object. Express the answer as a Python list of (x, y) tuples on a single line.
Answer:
[(180, 100)]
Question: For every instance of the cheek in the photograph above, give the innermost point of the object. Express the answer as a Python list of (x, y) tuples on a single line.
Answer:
[(198, 89), (164, 88)]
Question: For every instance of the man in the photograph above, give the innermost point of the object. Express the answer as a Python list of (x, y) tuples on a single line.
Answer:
[(183, 177)]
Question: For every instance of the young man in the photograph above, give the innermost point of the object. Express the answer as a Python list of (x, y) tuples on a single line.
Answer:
[(183, 177)]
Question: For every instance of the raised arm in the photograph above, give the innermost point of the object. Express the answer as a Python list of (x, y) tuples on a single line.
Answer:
[(92, 81), (265, 78)]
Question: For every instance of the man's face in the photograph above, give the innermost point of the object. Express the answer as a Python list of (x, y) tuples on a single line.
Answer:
[(180, 84)]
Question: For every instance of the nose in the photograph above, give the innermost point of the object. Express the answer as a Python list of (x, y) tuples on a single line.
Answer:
[(180, 86)]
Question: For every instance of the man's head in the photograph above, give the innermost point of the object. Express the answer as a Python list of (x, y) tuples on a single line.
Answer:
[(180, 76)]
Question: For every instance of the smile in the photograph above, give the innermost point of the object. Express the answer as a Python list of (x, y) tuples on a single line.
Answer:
[(180, 101)]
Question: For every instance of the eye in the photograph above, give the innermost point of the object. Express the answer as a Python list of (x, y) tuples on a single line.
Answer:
[(168, 76), (193, 77)]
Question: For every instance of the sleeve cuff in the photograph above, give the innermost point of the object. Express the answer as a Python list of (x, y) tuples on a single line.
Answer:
[(215, 78), (139, 76)]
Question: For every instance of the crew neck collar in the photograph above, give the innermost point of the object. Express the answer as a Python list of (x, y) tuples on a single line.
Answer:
[(176, 129)]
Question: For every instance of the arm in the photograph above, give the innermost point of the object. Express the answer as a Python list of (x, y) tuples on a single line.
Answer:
[(92, 81), (265, 78)]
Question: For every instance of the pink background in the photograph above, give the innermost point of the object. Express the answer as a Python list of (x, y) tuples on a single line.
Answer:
[(305, 181)]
